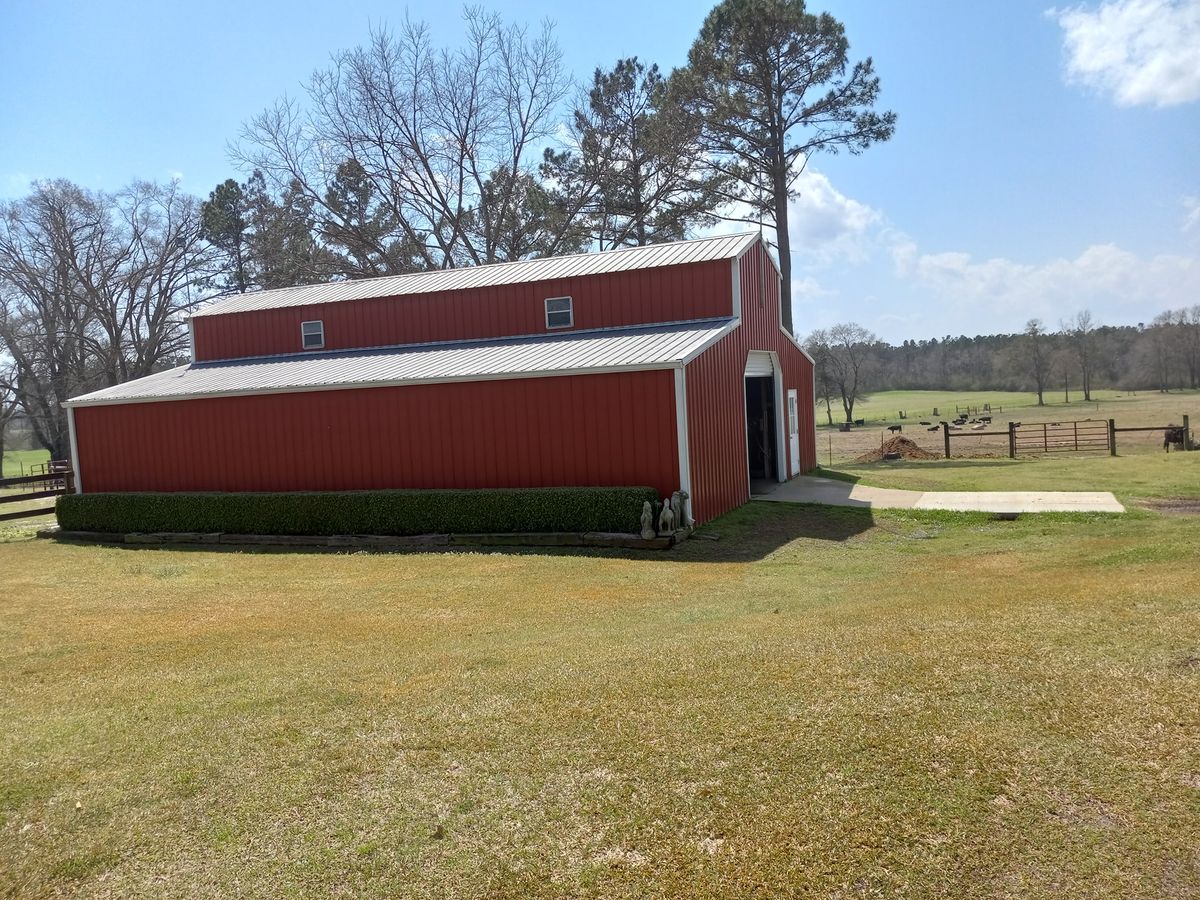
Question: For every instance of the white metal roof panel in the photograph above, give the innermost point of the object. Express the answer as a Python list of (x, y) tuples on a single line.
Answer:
[(520, 272), (648, 347)]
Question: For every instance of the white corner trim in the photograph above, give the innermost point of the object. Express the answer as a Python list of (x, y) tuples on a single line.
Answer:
[(796, 344), (736, 267), (766, 250), (74, 450), (191, 339), (681, 427)]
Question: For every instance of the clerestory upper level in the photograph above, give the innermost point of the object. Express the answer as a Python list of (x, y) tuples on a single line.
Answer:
[(662, 283)]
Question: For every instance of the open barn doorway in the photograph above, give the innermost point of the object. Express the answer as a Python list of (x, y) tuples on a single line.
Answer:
[(764, 458)]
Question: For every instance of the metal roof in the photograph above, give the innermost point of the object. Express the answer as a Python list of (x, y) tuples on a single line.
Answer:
[(523, 271), (647, 347)]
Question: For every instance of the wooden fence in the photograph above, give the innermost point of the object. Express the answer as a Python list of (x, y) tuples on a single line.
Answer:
[(1064, 437), (56, 479)]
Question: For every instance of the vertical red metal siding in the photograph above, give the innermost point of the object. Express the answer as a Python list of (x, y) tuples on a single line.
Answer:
[(610, 429), (716, 397), (674, 293)]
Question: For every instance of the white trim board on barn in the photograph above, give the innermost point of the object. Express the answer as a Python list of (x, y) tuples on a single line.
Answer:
[(763, 364)]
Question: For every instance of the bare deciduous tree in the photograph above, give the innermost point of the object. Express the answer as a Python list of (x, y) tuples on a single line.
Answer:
[(1162, 351), (818, 346), (443, 143), (9, 407), (1034, 355), (1189, 325), (846, 354), (1080, 333), (92, 291)]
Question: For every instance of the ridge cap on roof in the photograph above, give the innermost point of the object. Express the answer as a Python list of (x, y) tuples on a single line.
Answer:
[(217, 301)]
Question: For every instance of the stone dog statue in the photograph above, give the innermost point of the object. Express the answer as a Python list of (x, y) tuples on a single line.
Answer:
[(647, 521), (666, 519), (679, 501)]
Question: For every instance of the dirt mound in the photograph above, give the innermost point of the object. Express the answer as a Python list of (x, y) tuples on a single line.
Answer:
[(898, 444)]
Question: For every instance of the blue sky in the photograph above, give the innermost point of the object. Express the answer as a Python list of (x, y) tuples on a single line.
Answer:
[(1045, 160)]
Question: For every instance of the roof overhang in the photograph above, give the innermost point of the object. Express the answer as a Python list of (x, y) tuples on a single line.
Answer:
[(643, 348)]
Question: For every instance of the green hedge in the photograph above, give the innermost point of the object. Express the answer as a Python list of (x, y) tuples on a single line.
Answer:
[(361, 512)]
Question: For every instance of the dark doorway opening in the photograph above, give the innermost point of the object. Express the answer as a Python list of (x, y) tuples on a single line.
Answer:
[(761, 436)]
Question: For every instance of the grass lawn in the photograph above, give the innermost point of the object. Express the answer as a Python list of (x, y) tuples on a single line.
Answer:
[(1129, 477), (818, 703)]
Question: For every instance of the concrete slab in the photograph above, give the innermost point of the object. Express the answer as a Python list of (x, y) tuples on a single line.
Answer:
[(1021, 501), (832, 492)]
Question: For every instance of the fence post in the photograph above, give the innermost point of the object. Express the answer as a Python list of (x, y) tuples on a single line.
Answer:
[(1012, 440), (946, 437), (1112, 437), (1187, 434)]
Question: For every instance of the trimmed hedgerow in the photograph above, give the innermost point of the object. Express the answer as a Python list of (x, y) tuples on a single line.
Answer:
[(360, 512)]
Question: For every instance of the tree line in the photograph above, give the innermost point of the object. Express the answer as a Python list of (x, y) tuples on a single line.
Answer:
[(406, 156), (1068, 362)]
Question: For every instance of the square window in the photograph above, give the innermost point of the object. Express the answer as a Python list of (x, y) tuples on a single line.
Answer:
[(559, 313), (312, 335)]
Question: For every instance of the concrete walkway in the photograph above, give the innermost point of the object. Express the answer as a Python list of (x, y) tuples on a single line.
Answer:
[(831, 492)]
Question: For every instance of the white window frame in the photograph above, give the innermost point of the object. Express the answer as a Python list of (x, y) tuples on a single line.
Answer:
[(570, 311), (304, 345)]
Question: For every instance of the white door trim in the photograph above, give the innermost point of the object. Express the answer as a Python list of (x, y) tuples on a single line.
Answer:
[(681, 428), (792, 414), (776, 374)]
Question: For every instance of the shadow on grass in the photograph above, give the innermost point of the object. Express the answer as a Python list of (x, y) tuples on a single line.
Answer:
[(746, 534)]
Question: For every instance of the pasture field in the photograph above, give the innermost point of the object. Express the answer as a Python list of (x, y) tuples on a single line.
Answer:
[(776, 712), (836, 448), (18, 462)]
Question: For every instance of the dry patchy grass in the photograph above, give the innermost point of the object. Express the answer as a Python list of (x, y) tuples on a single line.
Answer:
[(816, 704)]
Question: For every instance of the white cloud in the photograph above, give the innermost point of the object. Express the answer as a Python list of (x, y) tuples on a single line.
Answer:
[(851, 263), (806, 289), (1113, 282), (174, 175), (824, 224), (1142, 52), (1191, 213), (827, 225)]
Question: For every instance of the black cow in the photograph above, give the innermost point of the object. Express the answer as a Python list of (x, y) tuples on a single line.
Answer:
[(1173, 437)]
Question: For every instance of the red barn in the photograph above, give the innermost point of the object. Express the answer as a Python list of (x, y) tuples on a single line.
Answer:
[(663, 366)]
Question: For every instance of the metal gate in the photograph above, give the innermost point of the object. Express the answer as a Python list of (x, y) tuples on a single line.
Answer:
[(1059, 437)]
